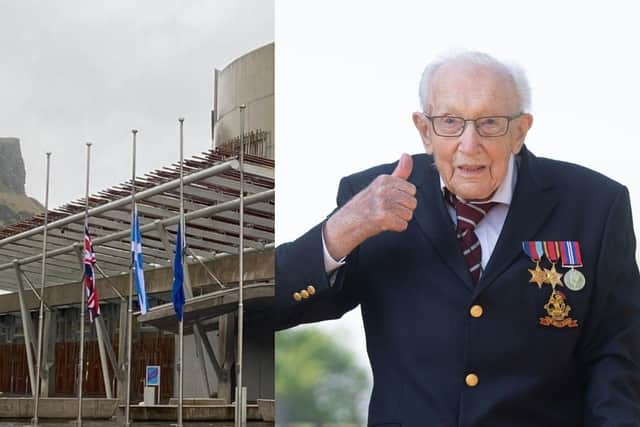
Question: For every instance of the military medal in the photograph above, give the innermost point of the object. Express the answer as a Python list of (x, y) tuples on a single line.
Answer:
[(571, 258), (556, 307), (534, 250), (551, 250), (558, 312)]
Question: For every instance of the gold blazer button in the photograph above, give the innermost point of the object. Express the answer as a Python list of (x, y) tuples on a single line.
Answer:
[(471, 380), (476, 310)]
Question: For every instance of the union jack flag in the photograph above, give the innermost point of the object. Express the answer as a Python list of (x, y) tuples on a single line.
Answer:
[(89, 260)]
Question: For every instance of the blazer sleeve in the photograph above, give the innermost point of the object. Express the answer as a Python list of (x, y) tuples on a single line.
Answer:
[(300, 264), (611, 349)]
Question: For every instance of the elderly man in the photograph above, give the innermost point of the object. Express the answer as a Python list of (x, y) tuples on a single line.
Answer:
[(496, 288)]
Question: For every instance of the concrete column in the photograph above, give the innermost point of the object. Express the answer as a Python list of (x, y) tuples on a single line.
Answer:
[(101, 333), (122, 350), (228, 349), (27, 328), (199, 336), (210, 353), (48, 353)]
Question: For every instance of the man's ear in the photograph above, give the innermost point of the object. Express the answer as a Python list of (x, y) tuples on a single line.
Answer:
[(424, 129), (522, 126)]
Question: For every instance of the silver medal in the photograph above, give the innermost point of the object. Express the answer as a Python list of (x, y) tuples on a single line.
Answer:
[(574, 280)]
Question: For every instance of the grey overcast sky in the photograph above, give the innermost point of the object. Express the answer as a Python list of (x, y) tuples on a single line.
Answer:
[(75, 71)]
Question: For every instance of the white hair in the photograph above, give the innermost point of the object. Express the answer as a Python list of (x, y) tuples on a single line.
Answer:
[(513, 70)]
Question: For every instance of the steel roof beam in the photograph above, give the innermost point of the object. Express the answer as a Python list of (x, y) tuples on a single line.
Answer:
[(230, 205), (214, 170)]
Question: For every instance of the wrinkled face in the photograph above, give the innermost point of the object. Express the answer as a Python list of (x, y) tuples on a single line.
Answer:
[(472, 166)]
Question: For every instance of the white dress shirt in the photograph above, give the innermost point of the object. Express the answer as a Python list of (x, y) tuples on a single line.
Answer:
[(488, 230)]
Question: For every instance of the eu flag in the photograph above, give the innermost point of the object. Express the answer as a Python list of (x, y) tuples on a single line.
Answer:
[(178, 277)]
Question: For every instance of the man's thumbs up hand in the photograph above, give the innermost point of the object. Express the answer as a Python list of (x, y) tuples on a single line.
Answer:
[(404, 168), (387, 204)]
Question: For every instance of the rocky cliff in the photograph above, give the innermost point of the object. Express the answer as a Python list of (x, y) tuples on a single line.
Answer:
[(15, 205)]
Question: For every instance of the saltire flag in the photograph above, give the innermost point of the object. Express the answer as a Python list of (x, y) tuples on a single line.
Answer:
[(136, 255), (89, 260), (177, 294)]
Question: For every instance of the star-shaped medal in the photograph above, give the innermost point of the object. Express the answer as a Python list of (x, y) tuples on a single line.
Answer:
[(538, 276), (553, 277)]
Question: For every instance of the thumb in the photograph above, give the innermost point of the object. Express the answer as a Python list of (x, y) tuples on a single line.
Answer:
[(404, 168)]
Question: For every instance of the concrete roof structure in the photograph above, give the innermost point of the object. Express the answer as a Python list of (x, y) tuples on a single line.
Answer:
[(205, 309), (211, 188)]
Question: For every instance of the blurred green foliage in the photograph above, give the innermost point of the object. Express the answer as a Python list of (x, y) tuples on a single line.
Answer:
[(318, 379)]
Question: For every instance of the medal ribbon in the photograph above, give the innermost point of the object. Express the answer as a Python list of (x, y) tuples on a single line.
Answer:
[(552, 251), (533, 249), (570, 253)]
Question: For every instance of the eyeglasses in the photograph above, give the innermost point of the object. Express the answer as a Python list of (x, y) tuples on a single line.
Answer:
[(489, 126)]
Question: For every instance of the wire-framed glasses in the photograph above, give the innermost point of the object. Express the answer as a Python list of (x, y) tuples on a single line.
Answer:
[(488, 126)]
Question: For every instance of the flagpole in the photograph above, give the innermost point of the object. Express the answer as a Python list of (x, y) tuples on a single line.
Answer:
[(83, 295), (182, 243), (240, 397), (127, 421), (34, 421)]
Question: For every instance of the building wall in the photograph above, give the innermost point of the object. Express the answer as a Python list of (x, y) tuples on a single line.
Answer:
[(150, 347), (194, 381), (258, 370), (248, 80), (259, 362)]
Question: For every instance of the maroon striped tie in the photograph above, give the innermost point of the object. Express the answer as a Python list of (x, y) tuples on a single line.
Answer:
[(469, 214)]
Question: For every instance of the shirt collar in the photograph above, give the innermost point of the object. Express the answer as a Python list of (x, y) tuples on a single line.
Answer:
[(504, 193)]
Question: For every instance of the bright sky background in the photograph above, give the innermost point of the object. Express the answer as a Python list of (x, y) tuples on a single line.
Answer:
[(347, 76), (75, 71)]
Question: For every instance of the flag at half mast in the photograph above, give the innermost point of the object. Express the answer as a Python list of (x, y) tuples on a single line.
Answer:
[(89, 260), (178, 277), (136, 255)]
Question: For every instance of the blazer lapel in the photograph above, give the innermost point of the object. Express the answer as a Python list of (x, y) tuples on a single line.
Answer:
[(434, 220), (533, 201)]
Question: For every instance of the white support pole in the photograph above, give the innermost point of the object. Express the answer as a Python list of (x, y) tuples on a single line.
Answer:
[(127, 417), (182, 242), (102, 348), (121, 385), (240, 401), (43, 280), (83, 297), (80, 369), (27, 327)]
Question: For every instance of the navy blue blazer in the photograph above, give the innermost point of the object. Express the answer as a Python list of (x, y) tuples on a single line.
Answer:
[(423, 338)]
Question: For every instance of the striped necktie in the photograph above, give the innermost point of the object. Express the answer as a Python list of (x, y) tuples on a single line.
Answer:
[(469, 214)]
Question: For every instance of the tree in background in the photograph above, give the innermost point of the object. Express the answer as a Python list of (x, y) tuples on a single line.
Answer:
[(318, 380)]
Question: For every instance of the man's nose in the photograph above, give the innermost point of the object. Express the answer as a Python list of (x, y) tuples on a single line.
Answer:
[(469, 140)]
